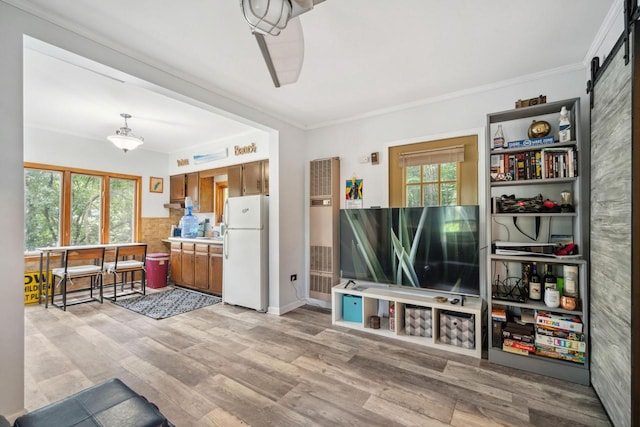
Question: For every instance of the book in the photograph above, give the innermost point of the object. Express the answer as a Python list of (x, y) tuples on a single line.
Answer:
[(560, 321), (562, 356), (499, 313), (518, 336), (520, 345), (538, 164), (557, 342), (514, 350), (560, 350), (560, 333), (520, 162), (533, 142)]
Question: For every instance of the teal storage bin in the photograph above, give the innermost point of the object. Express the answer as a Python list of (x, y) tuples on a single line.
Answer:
[(352, 308)]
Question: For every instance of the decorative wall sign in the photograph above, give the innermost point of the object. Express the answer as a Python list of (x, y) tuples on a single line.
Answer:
[(210, 157), (247, 149), (183, 162), (156, 185)]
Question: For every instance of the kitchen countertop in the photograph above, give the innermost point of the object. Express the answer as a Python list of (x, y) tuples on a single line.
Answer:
[(201, 240)]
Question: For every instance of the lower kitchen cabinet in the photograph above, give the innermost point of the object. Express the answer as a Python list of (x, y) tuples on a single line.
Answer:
[(201, 268), (197, 266), (215, 269), (176, 262), (188, 264)]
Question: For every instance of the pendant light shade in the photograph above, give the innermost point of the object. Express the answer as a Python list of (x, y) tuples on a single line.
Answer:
[(266, 16), (124, 139)]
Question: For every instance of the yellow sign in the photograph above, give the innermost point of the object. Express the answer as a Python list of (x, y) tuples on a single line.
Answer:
[(31, 286)]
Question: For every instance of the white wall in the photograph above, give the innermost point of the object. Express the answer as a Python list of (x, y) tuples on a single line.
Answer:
[(465, 114), (350, 141), (12, 224), (286, 177), (45, 146), (259, 138)]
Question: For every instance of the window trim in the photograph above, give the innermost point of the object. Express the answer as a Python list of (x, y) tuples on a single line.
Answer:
[(65, 208)]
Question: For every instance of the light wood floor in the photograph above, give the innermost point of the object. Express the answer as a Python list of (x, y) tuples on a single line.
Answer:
[(224, 365)]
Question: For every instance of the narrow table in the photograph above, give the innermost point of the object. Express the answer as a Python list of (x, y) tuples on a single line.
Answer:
[(46, 252)]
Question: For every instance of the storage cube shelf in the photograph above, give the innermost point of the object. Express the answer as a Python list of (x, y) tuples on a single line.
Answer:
[(416, 316)]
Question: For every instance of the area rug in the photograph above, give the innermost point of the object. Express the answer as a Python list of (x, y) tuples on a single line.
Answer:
[(160, 305)]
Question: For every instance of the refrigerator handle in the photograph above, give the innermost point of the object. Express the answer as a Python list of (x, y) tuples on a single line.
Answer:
[(225, 244), (225, 214)]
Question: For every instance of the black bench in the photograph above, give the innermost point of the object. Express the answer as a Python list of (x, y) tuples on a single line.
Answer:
[(111, 403)]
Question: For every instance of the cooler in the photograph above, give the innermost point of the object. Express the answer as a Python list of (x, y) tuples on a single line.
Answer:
[(157, 269)]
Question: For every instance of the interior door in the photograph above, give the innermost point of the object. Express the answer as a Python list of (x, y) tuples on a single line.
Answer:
[(612, 273)]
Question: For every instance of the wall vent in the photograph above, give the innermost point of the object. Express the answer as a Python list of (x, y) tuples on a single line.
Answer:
[(324, 217)]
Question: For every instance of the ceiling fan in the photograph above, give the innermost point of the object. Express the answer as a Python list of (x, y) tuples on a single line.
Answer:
[(277, 30)]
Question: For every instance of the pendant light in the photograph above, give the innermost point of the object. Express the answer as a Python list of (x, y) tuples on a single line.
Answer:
[(124, 139)]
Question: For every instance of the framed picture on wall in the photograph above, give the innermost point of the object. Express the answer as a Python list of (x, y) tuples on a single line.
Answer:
[(156, 184)]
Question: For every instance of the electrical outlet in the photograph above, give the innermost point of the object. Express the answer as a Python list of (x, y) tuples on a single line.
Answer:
[(294, 277)]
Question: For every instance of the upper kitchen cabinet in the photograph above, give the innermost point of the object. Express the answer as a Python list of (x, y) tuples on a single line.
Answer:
[(249, 179), (177, 188), (192, 185), (234, 179)]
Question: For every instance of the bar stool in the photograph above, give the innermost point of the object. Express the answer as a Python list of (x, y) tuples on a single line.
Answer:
[(72, 270), (129, 259)]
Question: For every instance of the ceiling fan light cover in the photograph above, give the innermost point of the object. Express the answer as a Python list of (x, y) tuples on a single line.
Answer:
[(266, 16)]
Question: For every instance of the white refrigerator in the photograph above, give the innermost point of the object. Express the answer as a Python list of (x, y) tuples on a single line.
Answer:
[(245, 274)]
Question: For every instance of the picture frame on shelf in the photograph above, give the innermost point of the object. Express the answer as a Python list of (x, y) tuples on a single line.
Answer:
[(156, 184)]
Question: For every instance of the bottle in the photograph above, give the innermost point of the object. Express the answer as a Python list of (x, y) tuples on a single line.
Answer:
[(564, 130), (549, 279), (535, 286), (189, 225), (526, 275), (570, 273), (392, 316), (498, 139)]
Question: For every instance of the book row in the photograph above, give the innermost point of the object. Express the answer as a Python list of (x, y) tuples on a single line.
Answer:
[(535, 164)]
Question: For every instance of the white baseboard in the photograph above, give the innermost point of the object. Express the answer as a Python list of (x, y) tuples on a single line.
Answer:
[(279, 311)]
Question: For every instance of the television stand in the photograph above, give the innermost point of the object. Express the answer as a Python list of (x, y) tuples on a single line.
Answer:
[(418, 317)]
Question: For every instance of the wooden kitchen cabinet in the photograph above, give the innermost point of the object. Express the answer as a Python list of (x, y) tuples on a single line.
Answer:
[(197, 266), (234, 180), (252, 178), (176, 262), (215, 269), (193, 189), (201, 268), (248, 179), (188, 264), (199, 189), (177, 188), (205, 190)]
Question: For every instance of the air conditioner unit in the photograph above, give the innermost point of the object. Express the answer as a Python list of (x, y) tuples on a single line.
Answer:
[(324, 216)]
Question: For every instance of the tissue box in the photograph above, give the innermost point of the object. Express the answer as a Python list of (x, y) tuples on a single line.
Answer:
[(352, 308), (457, 329), (417, 321)]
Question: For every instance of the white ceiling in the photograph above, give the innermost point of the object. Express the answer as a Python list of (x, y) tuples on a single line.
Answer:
[(361, 57)]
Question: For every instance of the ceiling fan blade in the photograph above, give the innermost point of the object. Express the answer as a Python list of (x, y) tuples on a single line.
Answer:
[(298, 7), (283, 54)]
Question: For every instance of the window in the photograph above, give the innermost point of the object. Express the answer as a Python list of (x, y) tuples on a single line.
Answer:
[(42, 201), (432, 173), (431, 185), (79, 207)]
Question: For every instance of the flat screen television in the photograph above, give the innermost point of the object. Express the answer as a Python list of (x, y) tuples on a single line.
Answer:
[(435, 248)]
